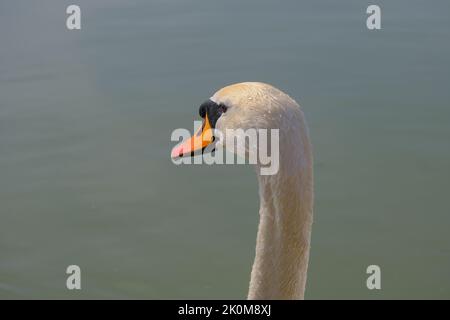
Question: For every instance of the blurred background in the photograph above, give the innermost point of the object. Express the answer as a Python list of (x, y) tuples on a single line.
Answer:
[(85, 124)]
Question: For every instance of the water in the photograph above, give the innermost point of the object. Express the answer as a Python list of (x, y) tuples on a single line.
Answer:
[(85, 124)]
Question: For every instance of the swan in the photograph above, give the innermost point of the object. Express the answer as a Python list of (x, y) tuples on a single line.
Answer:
[(286, 198)]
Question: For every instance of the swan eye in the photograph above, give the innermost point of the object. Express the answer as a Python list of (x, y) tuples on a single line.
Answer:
[(222, 108)]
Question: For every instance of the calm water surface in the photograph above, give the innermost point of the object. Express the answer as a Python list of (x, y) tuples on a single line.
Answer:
[(85, 124)]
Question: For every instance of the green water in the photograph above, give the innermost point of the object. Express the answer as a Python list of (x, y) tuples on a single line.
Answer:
[(85, 124)]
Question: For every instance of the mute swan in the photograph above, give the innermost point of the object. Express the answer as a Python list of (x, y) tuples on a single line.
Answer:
[(286, 198)]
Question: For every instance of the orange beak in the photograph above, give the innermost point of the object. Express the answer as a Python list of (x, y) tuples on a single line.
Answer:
[(200, 140)]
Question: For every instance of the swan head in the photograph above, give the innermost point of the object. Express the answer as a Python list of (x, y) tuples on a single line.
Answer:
[(279, 270), (235, 109)]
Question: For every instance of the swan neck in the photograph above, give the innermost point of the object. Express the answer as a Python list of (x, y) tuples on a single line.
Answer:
[(283, 239)]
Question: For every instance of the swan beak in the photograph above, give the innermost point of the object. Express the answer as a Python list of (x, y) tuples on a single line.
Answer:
[(198, 142)]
